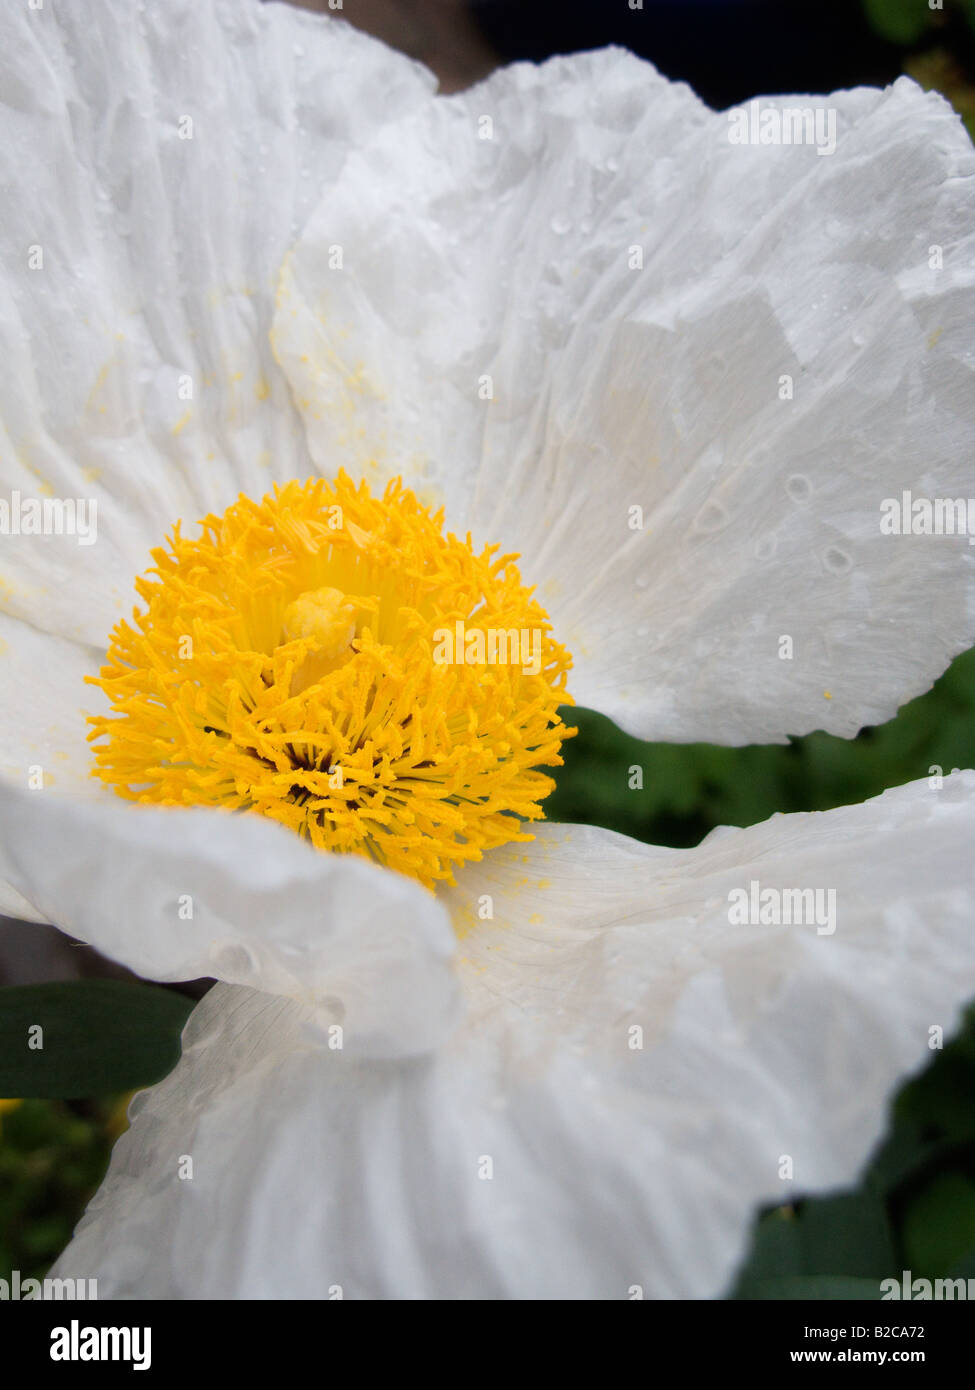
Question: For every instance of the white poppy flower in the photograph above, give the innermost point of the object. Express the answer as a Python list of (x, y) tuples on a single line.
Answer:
[(680, 376)]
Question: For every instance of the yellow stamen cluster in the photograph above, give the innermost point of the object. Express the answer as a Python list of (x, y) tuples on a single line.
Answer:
[(291, 661)]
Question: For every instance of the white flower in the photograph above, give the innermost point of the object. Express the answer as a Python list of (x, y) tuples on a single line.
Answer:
[(595, 1089)]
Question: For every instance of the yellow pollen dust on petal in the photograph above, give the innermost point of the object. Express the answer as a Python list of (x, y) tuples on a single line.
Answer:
[(332, 660)]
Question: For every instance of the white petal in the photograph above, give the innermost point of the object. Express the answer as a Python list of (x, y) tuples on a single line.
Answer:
[(42, 723), (160, 159), (468, 258), (176, 895), (611, 1165)]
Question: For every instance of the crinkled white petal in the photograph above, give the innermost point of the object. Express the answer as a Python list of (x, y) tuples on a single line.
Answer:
[(630, 1074), (179, 894), (42, 722), (156, 163), (679, 375)]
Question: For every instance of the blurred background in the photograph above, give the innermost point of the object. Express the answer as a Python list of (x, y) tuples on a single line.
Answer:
[(915, 1208)]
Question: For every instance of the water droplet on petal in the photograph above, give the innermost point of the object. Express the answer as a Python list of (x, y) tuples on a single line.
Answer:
[(233, 959), (712, 517), (837, 561)]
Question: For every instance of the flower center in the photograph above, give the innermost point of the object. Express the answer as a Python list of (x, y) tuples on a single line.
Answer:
[(334, 661), (329, 619)]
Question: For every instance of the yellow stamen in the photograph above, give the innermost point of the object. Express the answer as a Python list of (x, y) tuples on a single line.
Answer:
[(298, 659)]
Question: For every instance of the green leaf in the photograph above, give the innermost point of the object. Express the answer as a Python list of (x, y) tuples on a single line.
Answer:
[(965, 1268), (840, 1240), (96, 1036), (940, 1101), (847, 1235), (939, 1225), (776, 1254)]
